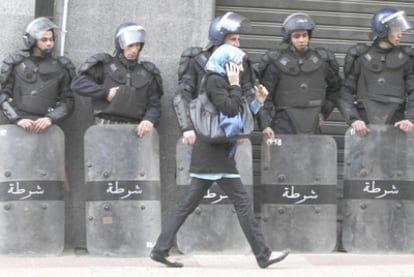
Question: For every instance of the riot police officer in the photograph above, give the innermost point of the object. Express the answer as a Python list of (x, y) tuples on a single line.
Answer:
[(36, 85), (379, 78), (224, 29), (303, 82), (123, 89)]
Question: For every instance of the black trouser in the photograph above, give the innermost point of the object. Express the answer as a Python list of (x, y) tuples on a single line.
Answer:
[(192, 197)]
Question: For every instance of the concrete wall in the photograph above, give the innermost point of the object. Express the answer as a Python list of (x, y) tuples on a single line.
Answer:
[(171, 25), (14, 15)]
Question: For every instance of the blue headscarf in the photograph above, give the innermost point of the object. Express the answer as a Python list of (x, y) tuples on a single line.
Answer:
[(223, 55)]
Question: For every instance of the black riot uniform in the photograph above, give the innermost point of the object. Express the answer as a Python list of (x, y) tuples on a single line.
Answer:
[(300, 89), (36, 86), (138, 83), (379, 79), (378, 84), (139, 94)]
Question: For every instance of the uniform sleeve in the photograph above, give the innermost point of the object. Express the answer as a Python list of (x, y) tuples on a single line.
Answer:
[(89, 83), (6, 93), (7, 86), (270, 79), (409, 85), (248, 78), (187, 90), (333, 81), (65, 105), (153, 109), (348, 90), (187, 84)]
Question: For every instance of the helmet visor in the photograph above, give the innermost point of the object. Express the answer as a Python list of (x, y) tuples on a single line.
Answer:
[(233, 23), (397, 22), (131, 35)]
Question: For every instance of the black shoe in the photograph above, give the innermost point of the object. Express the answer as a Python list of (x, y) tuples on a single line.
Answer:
[(281, 257), (161, 259)]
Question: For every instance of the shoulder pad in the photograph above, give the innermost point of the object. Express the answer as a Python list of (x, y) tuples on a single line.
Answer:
[(271, 56), (195, 54), (322, 52), (353, 53), (95, 59), (14, 58), (8, 63), (191, 52), (64, 60), (358, 50), (67, 63), (328, 56), (149, 66), (407, 50)]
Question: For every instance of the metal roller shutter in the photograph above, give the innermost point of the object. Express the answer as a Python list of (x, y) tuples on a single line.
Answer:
[(340, 24)]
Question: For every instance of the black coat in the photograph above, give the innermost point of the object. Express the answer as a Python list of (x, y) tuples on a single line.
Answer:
[(214, 157)]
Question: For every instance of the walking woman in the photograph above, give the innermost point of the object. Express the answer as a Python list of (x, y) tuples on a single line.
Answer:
[(214, 162)]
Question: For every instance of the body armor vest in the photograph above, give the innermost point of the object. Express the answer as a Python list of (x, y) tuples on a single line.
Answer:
[(382, 76), (301, 89), (302, 82), (381, 84), (36, 88), (132, 96)]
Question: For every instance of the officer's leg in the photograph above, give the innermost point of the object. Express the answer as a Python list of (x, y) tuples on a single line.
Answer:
[(238, 195), (3, 119), (189, 201)]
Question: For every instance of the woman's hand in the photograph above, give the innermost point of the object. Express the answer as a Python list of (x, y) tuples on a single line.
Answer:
[(261, 94), (233, 72)]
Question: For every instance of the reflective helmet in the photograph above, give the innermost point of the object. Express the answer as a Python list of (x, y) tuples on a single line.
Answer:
[(386, 19), (229, 23), (128, 33), (34, 29), (297, 21)]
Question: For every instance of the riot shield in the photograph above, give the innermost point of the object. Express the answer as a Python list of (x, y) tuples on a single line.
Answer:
[(214, 225), (378, 212), (31, 191), (122, 186), (298, 192)]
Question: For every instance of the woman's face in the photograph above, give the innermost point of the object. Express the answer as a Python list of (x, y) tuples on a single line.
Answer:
[(240, 66)]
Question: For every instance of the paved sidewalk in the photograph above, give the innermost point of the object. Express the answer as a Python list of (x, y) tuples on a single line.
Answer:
[(199, 265)]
